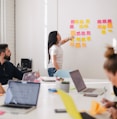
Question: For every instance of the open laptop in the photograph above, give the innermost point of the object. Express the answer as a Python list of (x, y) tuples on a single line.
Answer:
[(81, 87), (71, 107), (21, 97), (30, 77)]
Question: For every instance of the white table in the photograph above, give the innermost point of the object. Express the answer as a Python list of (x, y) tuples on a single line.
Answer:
[(49, 101)]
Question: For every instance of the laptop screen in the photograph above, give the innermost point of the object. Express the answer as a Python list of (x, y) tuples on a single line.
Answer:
[(25, 93), (30, 76), (78, 81)]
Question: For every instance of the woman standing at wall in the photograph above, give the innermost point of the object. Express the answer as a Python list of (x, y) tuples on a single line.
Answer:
[(55, 53)]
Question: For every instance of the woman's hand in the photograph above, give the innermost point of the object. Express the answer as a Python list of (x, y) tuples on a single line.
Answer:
[(107, 103), (113, 112)]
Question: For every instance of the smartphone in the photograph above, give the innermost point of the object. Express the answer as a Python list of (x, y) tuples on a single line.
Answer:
[(86, 115), (60, 110)]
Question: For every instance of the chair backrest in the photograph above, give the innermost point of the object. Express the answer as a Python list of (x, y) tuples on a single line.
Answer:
[(62, 73)]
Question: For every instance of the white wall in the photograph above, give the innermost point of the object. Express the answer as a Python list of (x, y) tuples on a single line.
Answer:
[(31, 26), (30, 30)]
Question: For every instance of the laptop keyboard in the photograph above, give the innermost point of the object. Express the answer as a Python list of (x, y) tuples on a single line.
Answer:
[(89, 90)]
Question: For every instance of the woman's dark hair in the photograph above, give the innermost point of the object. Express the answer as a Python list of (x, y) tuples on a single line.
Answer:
[(52, 39), (111, 61)]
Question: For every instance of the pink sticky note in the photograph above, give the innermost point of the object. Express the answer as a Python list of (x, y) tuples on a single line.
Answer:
[(83, 33), (72, 21), (78, 33), (104, 21), (2, 112), (71, 26), (88, 33), (109, 20), (99, 21)]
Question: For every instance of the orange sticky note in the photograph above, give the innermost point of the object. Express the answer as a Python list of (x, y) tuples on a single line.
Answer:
[(99, 26), (73, 33), (109, 25), (77, 45), (83, 45), (71, 43)]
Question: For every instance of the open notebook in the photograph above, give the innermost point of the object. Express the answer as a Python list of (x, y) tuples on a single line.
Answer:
[(21, 97), (71, 107)]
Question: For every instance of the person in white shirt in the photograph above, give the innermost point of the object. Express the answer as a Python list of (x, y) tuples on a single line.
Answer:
[(55, 52)]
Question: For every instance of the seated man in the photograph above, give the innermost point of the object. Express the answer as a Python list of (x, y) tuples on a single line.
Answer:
[(7, 70)]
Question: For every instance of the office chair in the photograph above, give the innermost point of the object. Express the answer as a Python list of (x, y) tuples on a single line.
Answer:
[(62, 74)]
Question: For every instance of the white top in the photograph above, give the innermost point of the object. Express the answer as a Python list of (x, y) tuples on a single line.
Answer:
[(56, 50)]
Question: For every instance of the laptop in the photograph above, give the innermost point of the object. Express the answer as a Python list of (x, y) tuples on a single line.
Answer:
[(81, 87), (30, 77), (21, 97), (71, 107)]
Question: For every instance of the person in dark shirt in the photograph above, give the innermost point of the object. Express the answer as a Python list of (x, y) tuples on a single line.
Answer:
[(7, 70)]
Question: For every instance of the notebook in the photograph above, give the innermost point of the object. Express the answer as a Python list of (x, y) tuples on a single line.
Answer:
[(81, 86), (71, 107), (30, 76), (21, 97)]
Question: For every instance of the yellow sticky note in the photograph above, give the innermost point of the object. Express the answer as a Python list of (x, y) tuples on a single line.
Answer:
[(73, 33), (110, 25), (103, 31), (88, 38), (77, 45), (81, 26), (69, 105), (83, 39), (110, 30), (76, 21), (87, 21), (104, 26), (84, 45), (81, 21), (86, 26), (78, 38)]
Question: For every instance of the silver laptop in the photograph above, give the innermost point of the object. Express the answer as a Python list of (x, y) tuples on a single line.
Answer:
[(21, 97), (30, 77), (81, 87)]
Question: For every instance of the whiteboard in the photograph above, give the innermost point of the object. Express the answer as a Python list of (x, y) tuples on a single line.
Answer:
[(88, 60)]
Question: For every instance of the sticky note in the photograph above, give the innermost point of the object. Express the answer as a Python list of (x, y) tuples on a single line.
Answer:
[(83, 44), (71, 26), (109, 21), (81, 21), (88, 38), (103, 31), (77, 45), (86, 26), (81, 26), (78, 39), (83, 39), (99, 26), (73, 33), (88, 33), (104, 21), (71, 43), (78, 33), (83, 33), (109, 25), (104, 26), (72, 21), (76, 21), (87, 21), (99, 21), (110, 30)]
